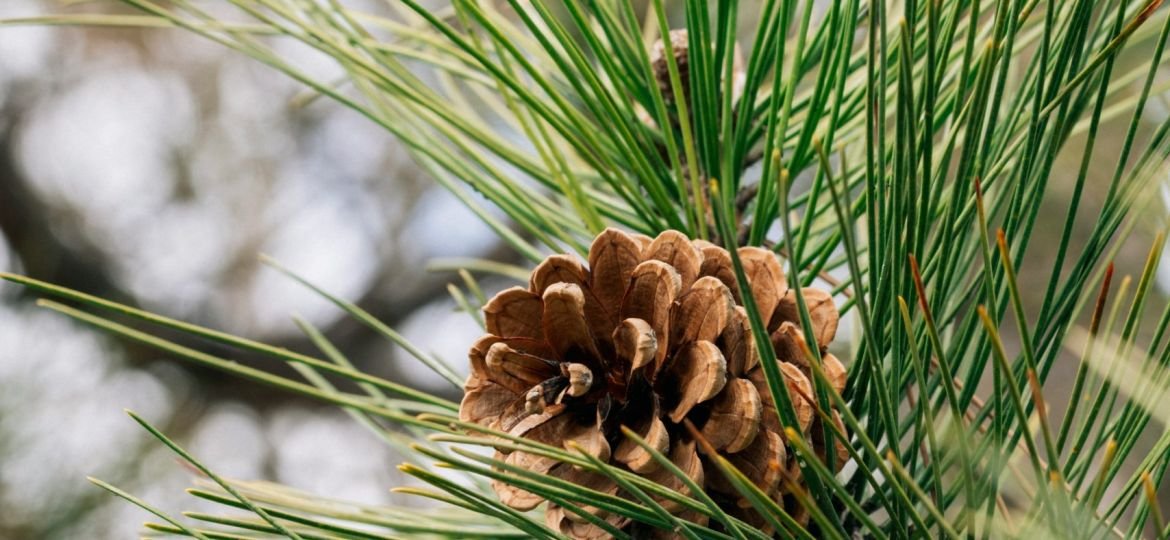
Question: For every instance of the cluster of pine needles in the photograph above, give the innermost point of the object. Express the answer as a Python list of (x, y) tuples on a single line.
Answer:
[(900, 153)]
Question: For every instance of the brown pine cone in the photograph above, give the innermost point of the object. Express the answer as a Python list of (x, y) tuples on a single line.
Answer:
[(651, 336), (680, 46)]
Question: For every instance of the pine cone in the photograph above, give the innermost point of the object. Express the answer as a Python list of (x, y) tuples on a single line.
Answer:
[(680, 46), (651, 336)]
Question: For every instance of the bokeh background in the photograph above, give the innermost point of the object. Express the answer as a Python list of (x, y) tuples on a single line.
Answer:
[(152, 167)]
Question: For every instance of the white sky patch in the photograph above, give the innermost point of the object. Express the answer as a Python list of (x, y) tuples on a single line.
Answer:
[(324, 241), (1162, 274), (96, 148), (440, 330), (7, 261), (24, 50), (244, 457), (325, 453), (63, 416), (446, 228)]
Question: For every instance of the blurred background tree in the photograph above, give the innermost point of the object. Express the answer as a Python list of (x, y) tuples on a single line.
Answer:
[(152, 167)]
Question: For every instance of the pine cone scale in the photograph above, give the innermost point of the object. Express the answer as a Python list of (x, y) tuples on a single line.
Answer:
[(632, 455), (738, 345), (564, 325), (702, 313), (514, 312), (766, 278), (612, 259), (679, 253), (734, 418), (685, 456), (590, 438), (700, 372), (557, 269), (487, 404), (517, 371), (652, 291), (513, 496), (636, 344)]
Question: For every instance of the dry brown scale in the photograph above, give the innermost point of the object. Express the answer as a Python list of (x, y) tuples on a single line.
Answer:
[(652, 335)]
